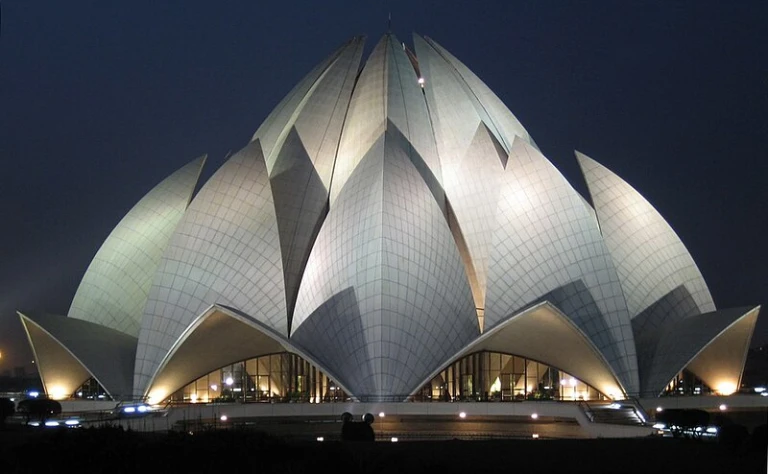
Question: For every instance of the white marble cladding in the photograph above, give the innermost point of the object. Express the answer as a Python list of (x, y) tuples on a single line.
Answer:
[(378, 217), (649, 256), (545, 240), (226, 250), (386, 254), (115, 287)]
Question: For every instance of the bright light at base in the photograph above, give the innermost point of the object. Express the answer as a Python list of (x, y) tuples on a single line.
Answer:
[(659, 426), (421, 81), (659, 409), (462, 415), (723, 407), (223, 418), (535, 416), (712, 430), (320, 438), (726, 388), (71, 422), (57, 392), (34, 394), (394, 439), (382, 414), (759, 389), (51, 423), (535, 435), (229, 381)]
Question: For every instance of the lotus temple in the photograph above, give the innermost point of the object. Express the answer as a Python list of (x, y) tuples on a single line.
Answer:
[(391, 234)]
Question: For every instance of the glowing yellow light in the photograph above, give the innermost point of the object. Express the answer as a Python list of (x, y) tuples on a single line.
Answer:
[(156, 396), (726, 388), (57, 392)]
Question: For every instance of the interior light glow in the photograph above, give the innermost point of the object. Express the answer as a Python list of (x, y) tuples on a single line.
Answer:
[(214, 387), (535, 416), (223, 418), (572, 382), (320, 438), (462, 415), (726, 388), (382, 414), (659, 409), (193, 398), (156, 396), (723, 407), (535, 436), (229, 381), (394, 439), (421, 81)]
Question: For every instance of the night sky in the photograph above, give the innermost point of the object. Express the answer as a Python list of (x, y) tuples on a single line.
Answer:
[(99, 101)]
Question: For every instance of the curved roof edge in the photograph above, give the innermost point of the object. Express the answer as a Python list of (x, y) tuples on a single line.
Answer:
[(219, 336), (70, 350), (711, 345), (529, 334)]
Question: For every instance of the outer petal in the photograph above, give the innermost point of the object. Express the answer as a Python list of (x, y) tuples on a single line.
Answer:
[(546, 246), (115, 287), (226, 250), (68, 351), (649, 256)]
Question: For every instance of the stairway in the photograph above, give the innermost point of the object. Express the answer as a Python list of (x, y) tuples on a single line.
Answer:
[(625, 412)]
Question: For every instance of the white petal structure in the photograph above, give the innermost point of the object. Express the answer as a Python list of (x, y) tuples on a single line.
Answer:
[(115, 287), (547, 246), (69, 351), (650, 257), (387, 225), (226, 250), (407, 305)]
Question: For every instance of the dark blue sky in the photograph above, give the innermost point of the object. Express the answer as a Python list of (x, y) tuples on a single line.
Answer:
[(99, 102)]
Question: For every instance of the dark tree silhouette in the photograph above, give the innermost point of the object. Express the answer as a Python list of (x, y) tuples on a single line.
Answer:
[(7, 408), (39, 408)]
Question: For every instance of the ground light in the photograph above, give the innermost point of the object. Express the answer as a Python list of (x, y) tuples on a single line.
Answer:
[(394, 439), (320, 439), (223, 418), (723, 407), (381, 414), (462, 415), (535, 416)]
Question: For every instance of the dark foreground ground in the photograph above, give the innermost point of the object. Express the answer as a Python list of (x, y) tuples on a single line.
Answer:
[(111, 450)]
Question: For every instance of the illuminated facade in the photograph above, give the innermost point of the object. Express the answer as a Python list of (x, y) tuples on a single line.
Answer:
[(390, 232)]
